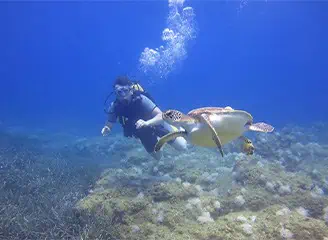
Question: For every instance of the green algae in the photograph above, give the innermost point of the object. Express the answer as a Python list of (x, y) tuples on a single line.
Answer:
[(172, 191), (171, 210), (267, 225)]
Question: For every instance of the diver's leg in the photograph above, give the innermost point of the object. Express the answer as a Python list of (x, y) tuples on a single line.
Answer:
[(149, 140), (179, 144), (157, 155)]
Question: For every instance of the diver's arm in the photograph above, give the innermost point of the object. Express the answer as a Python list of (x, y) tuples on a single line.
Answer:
[(157, 118), (112, 117), (110, 121), (107, 128), (109, 124), (155, 112)]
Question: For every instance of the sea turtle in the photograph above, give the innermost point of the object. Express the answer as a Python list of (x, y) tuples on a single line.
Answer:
[(212, 127)]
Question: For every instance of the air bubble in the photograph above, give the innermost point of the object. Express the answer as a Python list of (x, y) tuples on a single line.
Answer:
[(168, 35), (175, 3), (188, 12), (181, 28), (149, 57)]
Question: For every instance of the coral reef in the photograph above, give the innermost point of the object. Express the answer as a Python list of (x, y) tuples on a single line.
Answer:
[(198, 196), (110, 188)]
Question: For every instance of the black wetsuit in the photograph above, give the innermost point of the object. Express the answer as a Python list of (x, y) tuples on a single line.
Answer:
[(140, 107)]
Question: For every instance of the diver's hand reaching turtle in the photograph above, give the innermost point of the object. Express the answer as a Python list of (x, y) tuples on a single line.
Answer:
[(141, 123), (105, 130)]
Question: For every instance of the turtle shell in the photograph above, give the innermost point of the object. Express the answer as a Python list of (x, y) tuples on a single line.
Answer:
[(210, 110)]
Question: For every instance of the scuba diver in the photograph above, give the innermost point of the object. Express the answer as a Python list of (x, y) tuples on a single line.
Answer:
[(139, 116)]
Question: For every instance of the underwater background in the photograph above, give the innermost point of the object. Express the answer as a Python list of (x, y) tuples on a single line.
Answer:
[(61, 179), (59, 60)]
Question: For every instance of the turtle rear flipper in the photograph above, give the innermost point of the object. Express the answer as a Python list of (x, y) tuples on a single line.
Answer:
[(216, 138), (261, 127), (248, 146), (168, 137)]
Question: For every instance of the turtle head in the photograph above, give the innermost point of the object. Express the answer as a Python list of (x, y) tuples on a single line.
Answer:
[(172, 116), (177, 119)]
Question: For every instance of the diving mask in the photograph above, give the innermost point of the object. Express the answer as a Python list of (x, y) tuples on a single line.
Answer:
[(123, 91)]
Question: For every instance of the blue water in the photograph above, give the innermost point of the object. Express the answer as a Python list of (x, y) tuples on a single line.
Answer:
[(58, 60)]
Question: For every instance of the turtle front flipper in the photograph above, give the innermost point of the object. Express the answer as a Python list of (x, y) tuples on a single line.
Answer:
[(248, 146), (168, 137), (216, 138)]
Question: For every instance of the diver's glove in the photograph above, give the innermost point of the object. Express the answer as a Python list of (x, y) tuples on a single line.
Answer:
[(105, 130)]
